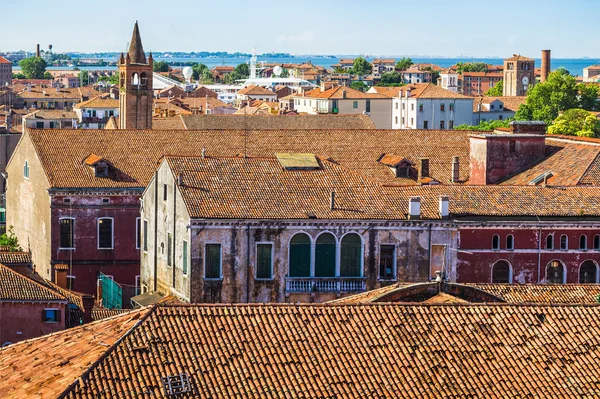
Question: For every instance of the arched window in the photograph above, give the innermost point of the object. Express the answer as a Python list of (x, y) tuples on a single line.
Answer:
[(135, 79), (510, 242), (300, 256), (583, 242), (143, 79), (555, 272), (350, 258), (496, 242), (564, 242), (122, 79), (597, 241), (587, 272), (550, 241), (325, 256), (501, 272)]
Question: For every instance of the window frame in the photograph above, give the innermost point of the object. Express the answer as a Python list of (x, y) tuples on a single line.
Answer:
[(596, 243), (596, 271), (184, 257), (551, 248), (272, 244), (361, 255), (512, 246), (585, 242), (510, 272), (26, 170), (566, 246), (112, 233), (145, 234), (60, 247), (138, 236), (496, 247), (206, 244), (394, 262), (57, 316)]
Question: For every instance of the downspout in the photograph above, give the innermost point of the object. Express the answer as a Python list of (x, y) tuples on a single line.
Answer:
[(155, 230), (539, 253), (174, 245), (248, 263), (429, 255)]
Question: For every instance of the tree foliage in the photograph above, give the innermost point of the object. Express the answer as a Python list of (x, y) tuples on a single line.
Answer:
[(19, 75), (471, 67), (485, 125), (404, 64), (198, 70), (339, 70), (497, 90), (361, 67), (10, 240), (84, 78), (33, 67), (160, 66), (559, 93), (576, 122), (391, 78), (358, 85)]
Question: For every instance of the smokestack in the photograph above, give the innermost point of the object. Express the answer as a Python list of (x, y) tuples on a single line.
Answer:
[(545, 65), (37, 50), (455, 170)]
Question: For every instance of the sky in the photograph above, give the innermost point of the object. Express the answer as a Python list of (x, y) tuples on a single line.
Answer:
[(374, 28)]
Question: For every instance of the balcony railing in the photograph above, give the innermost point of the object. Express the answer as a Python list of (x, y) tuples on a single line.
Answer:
[(325, 284)]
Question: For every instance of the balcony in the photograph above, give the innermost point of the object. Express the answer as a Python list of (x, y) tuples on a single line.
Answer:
[(94, 119), (325, 284)]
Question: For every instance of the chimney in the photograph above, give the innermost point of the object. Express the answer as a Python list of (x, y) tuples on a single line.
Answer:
[(88, 305), (203, 153), (179, 179), (37, 50), (343, 93), (60, 275), (414, 208), (444, 202), (332, 201), (545, 65), (455, 170), (424, 168)]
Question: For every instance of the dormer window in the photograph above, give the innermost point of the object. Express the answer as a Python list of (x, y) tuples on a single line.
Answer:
[(101, 171), (401, 167), (100, 165)]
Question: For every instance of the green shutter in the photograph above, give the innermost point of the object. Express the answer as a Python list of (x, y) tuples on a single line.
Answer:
[(263, 261), (300, 256), (185, 257), (350, 255), (213, 261), (325, 256)]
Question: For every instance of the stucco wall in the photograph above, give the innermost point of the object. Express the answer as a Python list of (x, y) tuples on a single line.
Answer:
[(23, 320)]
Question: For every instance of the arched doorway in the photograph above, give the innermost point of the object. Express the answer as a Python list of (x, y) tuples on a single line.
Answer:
[(300, 256), (555, 272), (501, 273), (351, 259), (588, 272)]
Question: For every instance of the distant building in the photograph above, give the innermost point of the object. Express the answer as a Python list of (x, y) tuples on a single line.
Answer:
[(449, 80), (519, 75), (496, 108), (94, 113), (50, 119), (591, 73), (5, 72), (415, 75), (478, 83), (68, 81), (344, 64), (381, 66), (252, 93)]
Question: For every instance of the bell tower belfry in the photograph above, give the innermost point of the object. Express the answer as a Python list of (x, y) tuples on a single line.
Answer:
[(135, 86)]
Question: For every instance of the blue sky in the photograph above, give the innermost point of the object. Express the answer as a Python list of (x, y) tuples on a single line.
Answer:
[(431, 27)]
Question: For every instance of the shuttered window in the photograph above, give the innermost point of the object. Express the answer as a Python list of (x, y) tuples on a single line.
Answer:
[(325, 256), (212, 262), (350, 256), (264, 261), (300, 256)]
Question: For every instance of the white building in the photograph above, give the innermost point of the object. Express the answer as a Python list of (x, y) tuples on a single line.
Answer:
[(496, 108), (345, 101), (427, 106), (449, 80), (94, 113)]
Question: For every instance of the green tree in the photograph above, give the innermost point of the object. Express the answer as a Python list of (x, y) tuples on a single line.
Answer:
[(285, 73), (84, 78), (559, 93), (114, 79), (242, 70), (361, 67), (588, 96), (471, 67), (19, 75), (391, 78), (198, 70), (160, 66), (33, 67), (497, 90), (359, 85), (10, 240), (206, 77), (404, 64), (339, 70), (485, 125), (576, 122)]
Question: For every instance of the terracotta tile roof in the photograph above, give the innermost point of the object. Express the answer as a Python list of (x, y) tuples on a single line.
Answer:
[(256, 91), (65, 356), (51, 94), (283, 122), (337, 92), (518, 57), (99, 102), (136, 50), (14, 286), (317, 351), (4, 60), (482, 75), (51, 114), (419, 90), (543, 293), (393, 160), (592, 174), (7, 258), (92, 159), (173, 123)]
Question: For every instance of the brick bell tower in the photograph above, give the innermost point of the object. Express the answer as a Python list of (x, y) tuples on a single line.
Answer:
[(135, 86)]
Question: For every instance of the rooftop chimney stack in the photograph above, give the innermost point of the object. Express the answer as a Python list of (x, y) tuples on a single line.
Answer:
[(332, 201), (414, 208), (37, 50), (455, 170), (424, 168), (545, 65), (444, 207)]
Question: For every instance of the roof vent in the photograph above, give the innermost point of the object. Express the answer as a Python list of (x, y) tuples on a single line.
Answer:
[(291, 161), (541, 178), (176, 384)]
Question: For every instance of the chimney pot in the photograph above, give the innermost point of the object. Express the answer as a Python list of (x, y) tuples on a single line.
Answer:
[(424, 168), (414, 208), (455, 170)]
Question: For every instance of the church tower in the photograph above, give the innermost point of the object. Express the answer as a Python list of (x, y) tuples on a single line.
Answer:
[(135, 86)]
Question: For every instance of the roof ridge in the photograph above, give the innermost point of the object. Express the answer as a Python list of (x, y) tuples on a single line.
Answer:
[(596, 158), (30, 280)]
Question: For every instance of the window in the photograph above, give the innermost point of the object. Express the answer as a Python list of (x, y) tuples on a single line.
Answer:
[(583, 242), (169, 249), (496, 242), (145, 235), (412, 107), (492, 106), (264, 261), (450, 124), (510, 242), (501, 272), (212, 262), (420, 107), (105, 233), (500, 117), (137, 233), (550, 241), (555, 272), (597, 242), (51, 315), (355, 104), (425, 125), (105, 201), (26, 170), (351, 256), (184, 258), (587, 272), (164, 192), (39, 125), (442, 107), (66, 233), (300, 253), (396, 120), (325, 256), (51, 125), (368, 106), (442, 125), (564, 242), (512, 146), (396, 105), (387, 262), (71, 283)]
